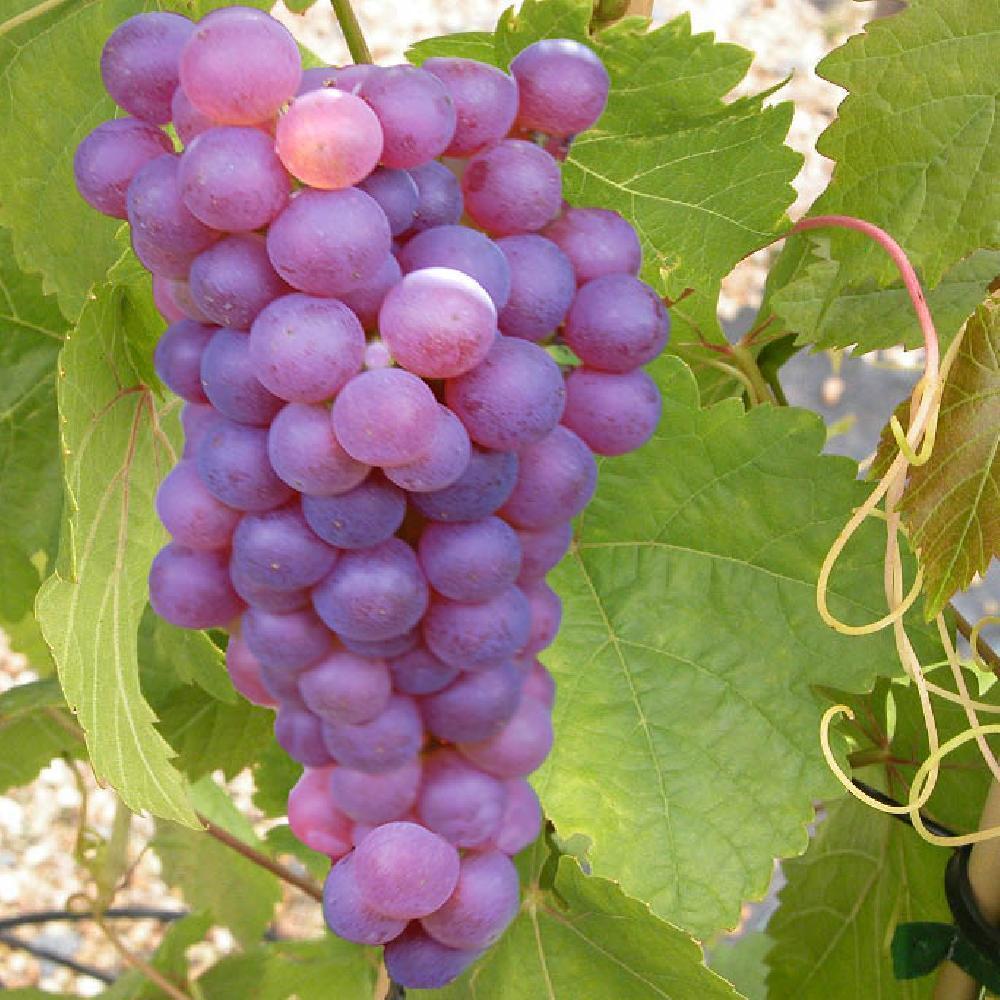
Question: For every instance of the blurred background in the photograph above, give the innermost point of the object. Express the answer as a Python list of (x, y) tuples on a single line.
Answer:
[(38, 823)]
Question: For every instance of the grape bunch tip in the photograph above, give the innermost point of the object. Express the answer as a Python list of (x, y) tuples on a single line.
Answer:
[(361, 268)]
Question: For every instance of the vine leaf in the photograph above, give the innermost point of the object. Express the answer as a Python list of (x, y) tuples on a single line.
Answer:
[(741, 961), (34, 728), (703, 182), (115, 454), (274, 776), (917, 150), (583, 937), (865, 872), (686, 728), (952, 503)]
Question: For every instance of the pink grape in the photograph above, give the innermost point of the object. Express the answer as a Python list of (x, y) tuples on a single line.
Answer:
[(292, 641), (196, 418), (382, 744), (177, 358), (188, 121), (519, 748), (346, 688), (385, 417), (109, 157), (416, 114), (346, 912), (521, 822), (329, 139), (542, 286), (304, 349), (438, 322), (139, 63), (512, 187), (472, 560), (546, 614), (190, 513), (376, 798), (366, 299), (404, 870), (562, 86), (446, 458), (475, 706), (485, 100), (477, 636), (542, 549), (228, 380), (358, 518), (419, 671), (613, 414), (244, 672), (240, 66), (483, 487), (397, 195), (418, 962), (458, 801), (305, 453), (439, 197), (190, 587), (264, 598), (597, 242), (159, 260), (314, 818), (395, 645), (299, 734), (540, 685)]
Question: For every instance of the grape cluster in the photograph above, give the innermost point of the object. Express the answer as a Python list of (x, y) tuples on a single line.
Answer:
[(362, 268)]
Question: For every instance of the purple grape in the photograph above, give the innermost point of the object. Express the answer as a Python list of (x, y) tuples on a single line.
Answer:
[(542, 286), (157, 213), (317, 78), (364, 516), (163, 299), (351, 77), (474, 707), (519, 748), (385, 417), (460, 249), (196, 419), (405, 871), (439, 200), (305, 453), (304, 349), (395, 645), (446, 458), (188, 121), (314, 818), (617, 323), (190, 588), (329, 242), (385, 743), (109, 157), (346, 688), (374, 593), (555, 481), (181, 292), (160, 261), (285, 642), (329, 139), (232, 462), (539, 684), (546, 614), (485, 100), (418, 962), (396, 193), (483, 487), (229, 382), (485, 901), (612, 414), (240, 66), (299, 734), (419, 671), (233, 281), (139, 63), (458, 801), (177, 358), (562, 87), (597, 242), (348, 915), (542, 549), (231, 179), (477, 636), (438, 322), (190, 513), (416, 114), (376, 798), (366, 299), (265, 598), (514, 398), (278, 549), (522, 817), (471, 560), (244, 672), (512, 187)]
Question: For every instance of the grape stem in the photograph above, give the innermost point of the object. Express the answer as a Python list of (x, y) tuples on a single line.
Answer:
[(353, 34)]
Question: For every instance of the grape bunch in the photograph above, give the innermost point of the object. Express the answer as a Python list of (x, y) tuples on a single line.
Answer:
[(363, 269)]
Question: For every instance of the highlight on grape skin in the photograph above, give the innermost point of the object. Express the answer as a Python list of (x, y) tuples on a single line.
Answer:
[(383, 451)]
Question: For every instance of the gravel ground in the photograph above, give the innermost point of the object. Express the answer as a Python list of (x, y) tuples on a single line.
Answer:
[(38, 824)]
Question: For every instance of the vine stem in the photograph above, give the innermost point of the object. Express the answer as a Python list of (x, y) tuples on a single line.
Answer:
[(353, 34), (966, 629), (262, 860), (140, 965), (29, 15)]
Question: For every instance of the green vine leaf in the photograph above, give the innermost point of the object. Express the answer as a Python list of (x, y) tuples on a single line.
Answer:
[(274, 776), (952, 503), (686, 727), (116, 453), (741, 962)]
